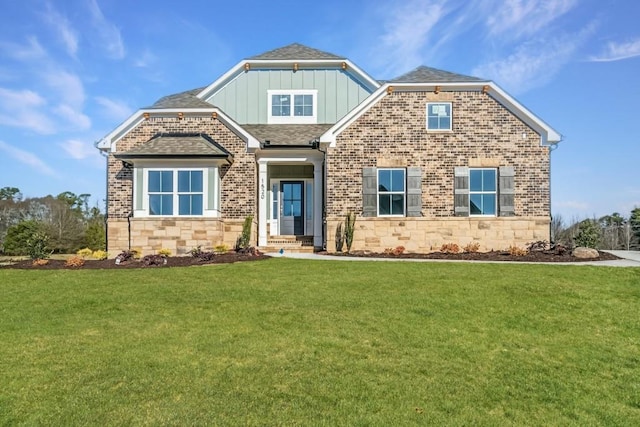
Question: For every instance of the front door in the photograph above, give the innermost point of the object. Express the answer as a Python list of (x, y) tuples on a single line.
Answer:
[(292, 208)]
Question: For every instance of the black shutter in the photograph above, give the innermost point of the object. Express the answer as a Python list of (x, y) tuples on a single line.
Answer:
[(369, 192), (507, 191), (461, 191), (414, 192)]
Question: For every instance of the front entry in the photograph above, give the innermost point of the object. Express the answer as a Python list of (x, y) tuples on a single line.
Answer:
[(292, 207)]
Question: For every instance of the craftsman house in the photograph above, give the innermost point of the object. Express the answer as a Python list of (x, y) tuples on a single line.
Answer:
[(297, 138)]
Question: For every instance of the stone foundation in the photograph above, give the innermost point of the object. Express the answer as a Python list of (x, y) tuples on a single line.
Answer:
[(423, 235), (178, 235)]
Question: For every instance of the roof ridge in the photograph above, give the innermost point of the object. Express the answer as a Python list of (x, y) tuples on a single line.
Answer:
[(425, 74), (295, 51)]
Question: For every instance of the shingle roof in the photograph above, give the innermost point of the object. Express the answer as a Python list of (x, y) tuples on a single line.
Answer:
[(185, 99), (424, 74), (295, 51), (177, 145), (287, 135)]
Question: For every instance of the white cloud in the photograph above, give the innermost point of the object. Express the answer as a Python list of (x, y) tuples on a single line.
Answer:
[(68, 86), (80, 150), (27, 158), (145, 60), (76, 118), (24, 52), (406, 32), (618, 51), (524, 17), (61, 25), (116, 110), (109, 34), (533, 63), (21, 108)]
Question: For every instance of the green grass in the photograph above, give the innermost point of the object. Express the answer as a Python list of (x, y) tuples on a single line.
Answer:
[(293, 342)]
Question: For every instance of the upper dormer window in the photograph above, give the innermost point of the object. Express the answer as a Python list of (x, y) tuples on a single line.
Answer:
[(439, 116), (292, 106)]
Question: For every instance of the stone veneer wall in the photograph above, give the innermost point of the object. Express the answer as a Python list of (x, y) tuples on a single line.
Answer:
[(178, 235), (484, 134), (238, 197), (422, 235)]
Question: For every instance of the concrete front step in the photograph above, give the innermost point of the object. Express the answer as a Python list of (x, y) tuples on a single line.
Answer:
[(270, 249)]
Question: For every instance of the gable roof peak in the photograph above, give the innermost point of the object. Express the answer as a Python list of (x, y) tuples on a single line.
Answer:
[(295, 51), (424, 74)]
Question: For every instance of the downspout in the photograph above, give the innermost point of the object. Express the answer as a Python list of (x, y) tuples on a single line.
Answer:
[(552, 238), (129, 228)]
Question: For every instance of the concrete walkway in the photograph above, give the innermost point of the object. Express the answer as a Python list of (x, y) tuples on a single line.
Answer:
[(628, 259)]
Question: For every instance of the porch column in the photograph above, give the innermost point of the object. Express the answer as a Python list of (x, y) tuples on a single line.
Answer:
[(317, 203), (262, 202)]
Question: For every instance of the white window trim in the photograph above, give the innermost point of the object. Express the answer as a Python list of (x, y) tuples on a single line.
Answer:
[(404, 193), (206, 213), (495, 193), (450, 117), (292, 119)]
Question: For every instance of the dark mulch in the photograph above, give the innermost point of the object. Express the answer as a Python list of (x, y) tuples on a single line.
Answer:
[(533, 256), (175, 261)]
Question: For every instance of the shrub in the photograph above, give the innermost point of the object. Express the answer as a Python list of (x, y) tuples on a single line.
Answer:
[(399, 250), (539, 246), (125, 256), (339, 238), (40, 262), (516, 251), (37, 246), (165, 252), (349, 229), (202, 255), (450, 248), (86, 252), (75, 261), (15, 242), (245, 237), (99, 255), (151, 260), (471, 248), (221, 249), (588, 234), (94, 235)]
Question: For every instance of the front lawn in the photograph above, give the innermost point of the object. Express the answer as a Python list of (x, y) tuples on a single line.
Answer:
[(294, 342)]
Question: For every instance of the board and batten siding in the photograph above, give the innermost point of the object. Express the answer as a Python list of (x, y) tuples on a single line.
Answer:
[(245, 97)]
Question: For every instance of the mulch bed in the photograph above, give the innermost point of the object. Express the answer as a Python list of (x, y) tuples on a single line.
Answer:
[(186, 261), (534, 256), (174, 261)]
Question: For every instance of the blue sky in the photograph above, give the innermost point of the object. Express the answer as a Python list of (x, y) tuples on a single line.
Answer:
[(71, 71)]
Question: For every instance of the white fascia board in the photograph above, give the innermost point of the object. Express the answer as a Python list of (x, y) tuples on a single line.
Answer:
[(109, 142), (222, 80), (238, 69), (548, 136)]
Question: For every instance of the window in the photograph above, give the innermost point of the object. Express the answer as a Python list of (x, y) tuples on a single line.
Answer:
[(482, 191), (438, 116), (391, 192), (292, 106), (181, 188)]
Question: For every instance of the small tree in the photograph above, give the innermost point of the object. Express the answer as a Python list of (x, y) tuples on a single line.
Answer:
[(37, 246), (588, 234)]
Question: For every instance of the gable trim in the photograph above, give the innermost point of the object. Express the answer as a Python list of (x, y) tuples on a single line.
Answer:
[(110, 141), (247, 65)]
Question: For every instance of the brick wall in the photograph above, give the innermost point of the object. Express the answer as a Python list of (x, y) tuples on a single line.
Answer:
[(238, 187), (484, 133)]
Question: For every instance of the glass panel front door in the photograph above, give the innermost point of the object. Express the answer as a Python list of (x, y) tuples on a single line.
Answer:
[(292, 207)]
